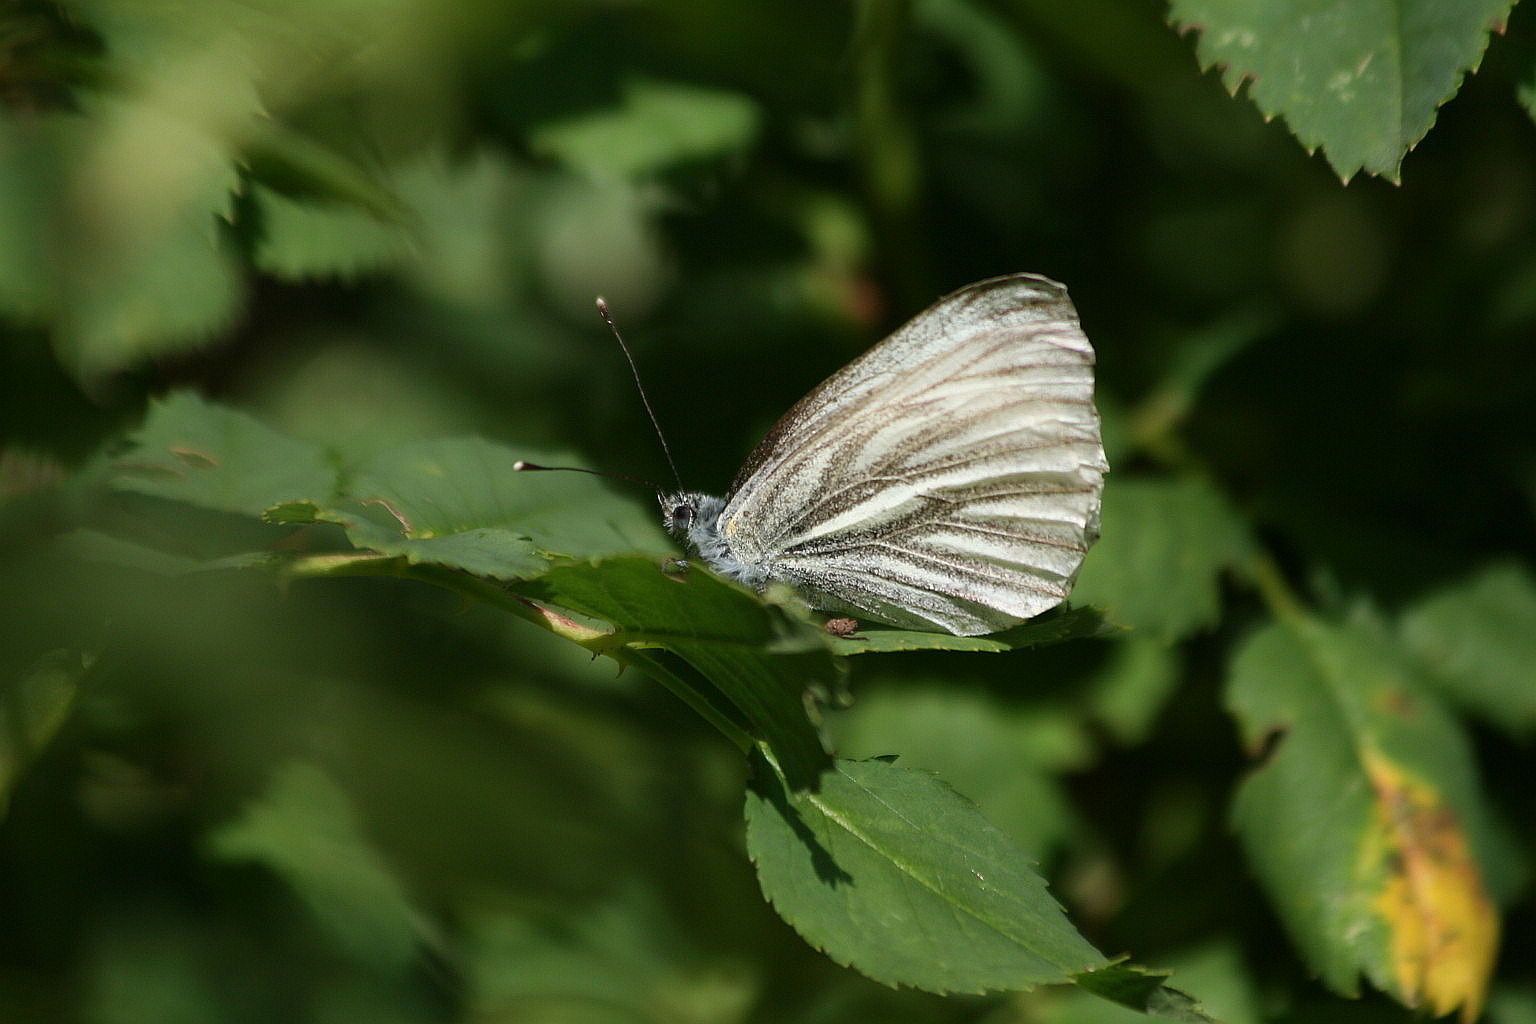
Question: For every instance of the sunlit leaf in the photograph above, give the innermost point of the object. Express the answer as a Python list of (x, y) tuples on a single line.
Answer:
[(660, 124), (890, 871), (893, 873), (219, 458), (302, 239), (461, 503), (152, 184), (118, 243), (1365, 822), (1479, 640), (1360, 80)]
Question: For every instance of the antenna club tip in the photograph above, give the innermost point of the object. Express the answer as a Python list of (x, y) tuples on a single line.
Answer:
[(520, 466)]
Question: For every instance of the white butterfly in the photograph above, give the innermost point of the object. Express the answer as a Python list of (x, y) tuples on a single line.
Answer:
[(948, 478)]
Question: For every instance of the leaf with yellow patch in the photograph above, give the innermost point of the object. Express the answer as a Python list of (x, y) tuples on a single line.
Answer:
[(1365, 823), (1444, 928)]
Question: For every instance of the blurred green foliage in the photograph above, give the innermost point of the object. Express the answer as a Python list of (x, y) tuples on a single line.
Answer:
[(266, 755)]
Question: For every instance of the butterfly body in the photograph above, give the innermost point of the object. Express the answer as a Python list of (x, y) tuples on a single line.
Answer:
[(948, 478)]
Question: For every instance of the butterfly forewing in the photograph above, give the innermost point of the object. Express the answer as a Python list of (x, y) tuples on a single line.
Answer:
[(949, 477)]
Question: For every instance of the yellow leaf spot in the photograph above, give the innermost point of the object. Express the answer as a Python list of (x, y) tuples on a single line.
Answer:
[(1444, 928)]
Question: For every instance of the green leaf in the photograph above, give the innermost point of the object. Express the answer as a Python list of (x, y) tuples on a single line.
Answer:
[(219, 458), (1478, 639), (659, 125), (1144, 991), (502, 553), (1514, 57), (459, 502), (1158, 565), (889, 871), (149, 271), (1134, 686), (306, 830), (625, 960), (1004, 758), (1366, 822), (1055, 626), (456, 503), (32, 709), (1362, 80), (1217, 968), (117, 246), (291, 164), (769, 662), (306, 239)]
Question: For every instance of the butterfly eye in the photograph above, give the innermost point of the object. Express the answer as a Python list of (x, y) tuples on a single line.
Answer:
[(682, 517)]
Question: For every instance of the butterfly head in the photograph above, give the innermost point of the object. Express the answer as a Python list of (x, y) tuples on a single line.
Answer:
[(695, 520), (689, 517)]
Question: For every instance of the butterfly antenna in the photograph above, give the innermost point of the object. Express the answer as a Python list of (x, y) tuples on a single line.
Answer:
[(522, 466), (602, 309)]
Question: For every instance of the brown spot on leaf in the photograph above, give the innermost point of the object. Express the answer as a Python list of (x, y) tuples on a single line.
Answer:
[(194, 458)]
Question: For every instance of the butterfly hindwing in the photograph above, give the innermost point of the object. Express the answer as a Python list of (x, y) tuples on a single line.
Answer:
[(949, 477)]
